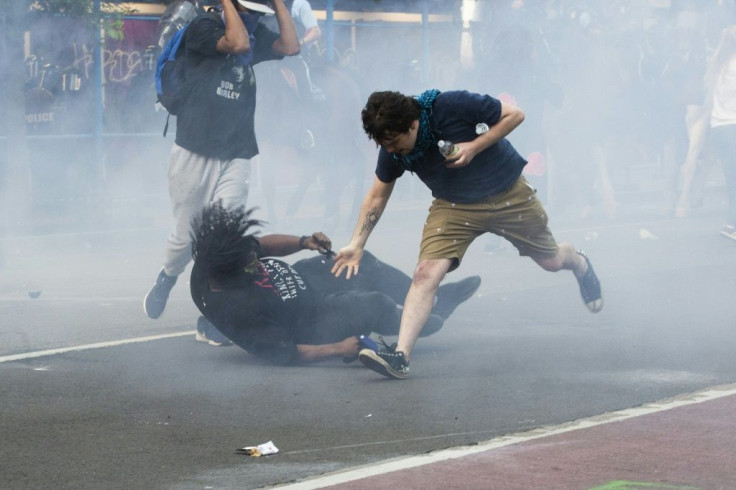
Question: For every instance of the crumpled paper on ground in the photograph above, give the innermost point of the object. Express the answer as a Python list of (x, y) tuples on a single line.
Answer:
[(257, 451)]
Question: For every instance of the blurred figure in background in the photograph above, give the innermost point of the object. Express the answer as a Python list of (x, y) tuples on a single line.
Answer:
[(309, 33), (516, 70), (215, 134), (671, 71), (595, 119), (516, 75), (717, 122)]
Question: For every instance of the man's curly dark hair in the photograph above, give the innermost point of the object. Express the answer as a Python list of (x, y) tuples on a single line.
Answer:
[(387, 114), (220, 240)]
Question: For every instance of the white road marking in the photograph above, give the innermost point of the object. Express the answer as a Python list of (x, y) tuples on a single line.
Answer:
[(99, 345), (358, 473)]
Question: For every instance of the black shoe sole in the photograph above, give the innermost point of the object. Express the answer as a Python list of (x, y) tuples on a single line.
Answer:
[(374, 362)]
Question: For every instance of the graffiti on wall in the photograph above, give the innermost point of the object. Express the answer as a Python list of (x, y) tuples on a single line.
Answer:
[(60, 80)]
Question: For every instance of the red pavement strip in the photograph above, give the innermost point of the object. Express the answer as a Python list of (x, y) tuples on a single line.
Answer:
[(686, 442)]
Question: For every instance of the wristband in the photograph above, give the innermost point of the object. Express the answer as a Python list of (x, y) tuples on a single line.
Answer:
[(301, 242)]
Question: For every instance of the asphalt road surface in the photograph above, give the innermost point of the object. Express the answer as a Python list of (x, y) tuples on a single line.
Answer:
[(93, 394)]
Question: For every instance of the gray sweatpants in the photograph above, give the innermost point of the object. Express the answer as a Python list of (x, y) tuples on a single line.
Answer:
[(194, 183)]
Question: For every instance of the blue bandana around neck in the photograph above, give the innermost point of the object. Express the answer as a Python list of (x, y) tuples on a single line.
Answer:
[(424, 133)]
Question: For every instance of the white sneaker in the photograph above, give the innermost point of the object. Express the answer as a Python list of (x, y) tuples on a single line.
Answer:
[(206, 332), (729, 231)]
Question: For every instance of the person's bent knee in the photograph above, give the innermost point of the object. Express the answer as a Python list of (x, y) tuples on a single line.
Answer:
[(430, 272), (550, 264)]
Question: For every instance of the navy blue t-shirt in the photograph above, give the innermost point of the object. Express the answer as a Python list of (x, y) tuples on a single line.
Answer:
[(217, 119), (455, 115)]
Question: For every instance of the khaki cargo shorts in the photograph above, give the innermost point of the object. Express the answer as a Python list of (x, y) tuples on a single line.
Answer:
[(516, 215)]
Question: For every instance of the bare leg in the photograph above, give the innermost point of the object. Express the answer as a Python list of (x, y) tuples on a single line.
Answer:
[(697, 128), (419, 301), (567, 258)]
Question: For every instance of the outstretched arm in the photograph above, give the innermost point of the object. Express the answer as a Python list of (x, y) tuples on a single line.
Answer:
[(283, 245), (346, 349), (348, 258)]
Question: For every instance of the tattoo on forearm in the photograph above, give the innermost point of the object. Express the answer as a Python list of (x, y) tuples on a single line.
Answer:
[(371, 218)]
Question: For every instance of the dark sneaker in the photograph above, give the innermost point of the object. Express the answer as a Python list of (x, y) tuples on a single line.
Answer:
[(729, 231), (206, 332), (386, 361), (368, 343), (590, 287), (449, 296), (155, 301)]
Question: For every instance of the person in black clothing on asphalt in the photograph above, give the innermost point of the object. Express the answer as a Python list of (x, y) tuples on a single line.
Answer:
[(296, 313)]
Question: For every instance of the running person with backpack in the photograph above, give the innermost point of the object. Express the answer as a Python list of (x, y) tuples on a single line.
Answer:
[(215, 135)]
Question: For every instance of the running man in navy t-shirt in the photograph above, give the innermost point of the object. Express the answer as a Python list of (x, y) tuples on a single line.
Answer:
[(477, 189)]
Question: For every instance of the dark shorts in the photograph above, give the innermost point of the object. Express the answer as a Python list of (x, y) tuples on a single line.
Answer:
[(516, 215)]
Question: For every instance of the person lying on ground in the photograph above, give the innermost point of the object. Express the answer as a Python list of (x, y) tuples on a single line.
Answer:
[(289, 313)]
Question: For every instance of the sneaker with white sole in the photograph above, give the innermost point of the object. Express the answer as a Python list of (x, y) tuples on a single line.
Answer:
[(729, 231), (206, 332), (386, 361)]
